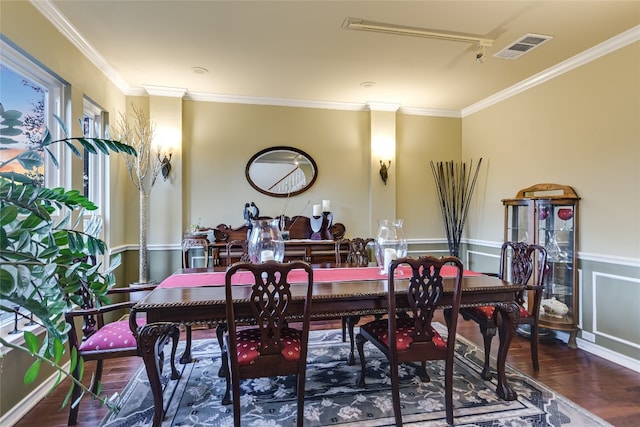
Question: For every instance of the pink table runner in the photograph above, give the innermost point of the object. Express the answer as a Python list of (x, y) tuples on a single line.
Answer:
[(319, 275)]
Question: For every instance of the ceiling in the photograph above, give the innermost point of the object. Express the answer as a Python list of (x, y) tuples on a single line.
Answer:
[(288, 52)]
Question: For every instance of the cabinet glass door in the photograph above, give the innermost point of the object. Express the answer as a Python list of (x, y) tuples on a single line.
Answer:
[(517, 225), (556, 234)]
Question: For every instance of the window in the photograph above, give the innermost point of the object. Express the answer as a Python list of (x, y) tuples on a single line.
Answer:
[(95, 175), (38, 94)]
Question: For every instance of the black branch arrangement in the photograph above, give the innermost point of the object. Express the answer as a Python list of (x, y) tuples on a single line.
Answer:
[(455, 184)]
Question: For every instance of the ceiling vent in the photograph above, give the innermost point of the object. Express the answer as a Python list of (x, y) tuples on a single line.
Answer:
[(521, 46)]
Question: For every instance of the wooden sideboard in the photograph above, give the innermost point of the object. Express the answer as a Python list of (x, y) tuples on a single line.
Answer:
[(300, 245)]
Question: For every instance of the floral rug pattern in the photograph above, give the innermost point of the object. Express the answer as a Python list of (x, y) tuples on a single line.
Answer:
[(333, 399)]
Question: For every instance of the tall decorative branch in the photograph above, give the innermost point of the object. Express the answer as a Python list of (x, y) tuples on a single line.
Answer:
[(455, 184), (136, 130)]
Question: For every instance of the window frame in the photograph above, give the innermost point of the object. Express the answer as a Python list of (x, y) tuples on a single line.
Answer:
[(56, 102)]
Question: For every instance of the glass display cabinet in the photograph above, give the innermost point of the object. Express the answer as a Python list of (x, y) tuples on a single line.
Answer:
[(547, 215)]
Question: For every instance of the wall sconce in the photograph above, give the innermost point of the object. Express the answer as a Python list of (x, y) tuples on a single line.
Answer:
[(384, 171), (166, 141), (165, 165)]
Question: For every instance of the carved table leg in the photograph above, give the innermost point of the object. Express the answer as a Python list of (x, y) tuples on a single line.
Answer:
[(151, 338), (351, 322), (220, 330), (506, 317)]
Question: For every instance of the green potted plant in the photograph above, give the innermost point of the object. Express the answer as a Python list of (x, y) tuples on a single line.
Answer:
[(43, 258)]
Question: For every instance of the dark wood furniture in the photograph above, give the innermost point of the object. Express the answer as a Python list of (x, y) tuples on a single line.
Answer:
[(523, 264), (237, 251), (272, 347), (194, 241), (98, 340), (411, 338), (548, 215), (352, 251), (300, 245), (331, 300)]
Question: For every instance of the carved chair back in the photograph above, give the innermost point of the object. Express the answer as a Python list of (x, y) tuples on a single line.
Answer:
[(237, 251), (357, 252), (271, 347), (412, 338)]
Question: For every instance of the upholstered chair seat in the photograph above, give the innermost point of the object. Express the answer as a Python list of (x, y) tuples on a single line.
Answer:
[(248, 345)]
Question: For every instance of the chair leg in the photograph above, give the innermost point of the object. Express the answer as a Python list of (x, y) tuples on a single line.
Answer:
[(97, 377), (448, 389), (225, 371), (360, 340), (488, 334), (422, 372), (186, 356), (76, 392), (395, 393), (534, 346), (300, 378), (235, 384)]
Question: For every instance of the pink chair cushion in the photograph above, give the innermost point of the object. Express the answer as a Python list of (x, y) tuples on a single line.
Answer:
[(487, 311), (112, 336), (249, 339), (404, 333)]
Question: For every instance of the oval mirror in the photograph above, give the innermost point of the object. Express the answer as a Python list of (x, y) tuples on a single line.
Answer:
[(281, 171)]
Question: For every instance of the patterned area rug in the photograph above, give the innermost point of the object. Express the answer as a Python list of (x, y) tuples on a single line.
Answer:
[(332, 399)]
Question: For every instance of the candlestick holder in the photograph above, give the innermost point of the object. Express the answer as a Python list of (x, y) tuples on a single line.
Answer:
[(320, 226)]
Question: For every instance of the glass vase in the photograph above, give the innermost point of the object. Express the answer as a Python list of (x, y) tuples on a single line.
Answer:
[(390, 243), (265, 241)]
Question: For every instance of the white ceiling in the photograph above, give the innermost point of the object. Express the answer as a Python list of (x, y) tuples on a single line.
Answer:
[(297, 51)]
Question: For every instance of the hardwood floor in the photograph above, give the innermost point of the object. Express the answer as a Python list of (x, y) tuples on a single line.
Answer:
[(604, 388)]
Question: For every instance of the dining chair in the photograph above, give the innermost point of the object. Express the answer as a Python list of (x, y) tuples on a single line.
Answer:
[(237, 250), (518, 262), (271, 347), (91, 337), (412, 338)]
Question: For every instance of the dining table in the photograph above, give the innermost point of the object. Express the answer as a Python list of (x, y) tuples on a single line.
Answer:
[(191, 297)]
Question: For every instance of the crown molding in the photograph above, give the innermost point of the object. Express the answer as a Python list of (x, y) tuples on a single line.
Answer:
[(173, 92), (383, 106), (283, 102), (59, 21), (415, 111), (621, 40)]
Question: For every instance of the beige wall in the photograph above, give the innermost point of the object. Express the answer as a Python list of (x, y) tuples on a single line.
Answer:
[(580, 129), (422, 139), (219, 140)]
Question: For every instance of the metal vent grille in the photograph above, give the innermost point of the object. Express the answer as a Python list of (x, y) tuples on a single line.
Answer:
[(521, 46)]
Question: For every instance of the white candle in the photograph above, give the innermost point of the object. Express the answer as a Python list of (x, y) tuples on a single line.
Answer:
[(316, 210), (389, 255), (266, 255), (326, 206)]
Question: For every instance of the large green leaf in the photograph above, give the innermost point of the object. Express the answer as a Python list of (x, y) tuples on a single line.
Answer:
[(30, 160)]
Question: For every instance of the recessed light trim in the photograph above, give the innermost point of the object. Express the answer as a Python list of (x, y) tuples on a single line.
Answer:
[(199, 70)]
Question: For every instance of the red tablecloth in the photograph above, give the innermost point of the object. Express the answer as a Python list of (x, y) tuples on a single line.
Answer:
[(319, 275)]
